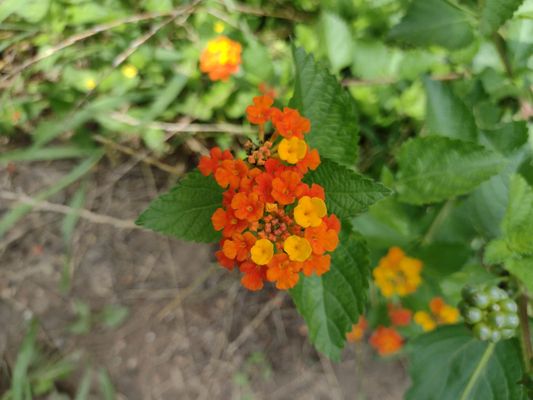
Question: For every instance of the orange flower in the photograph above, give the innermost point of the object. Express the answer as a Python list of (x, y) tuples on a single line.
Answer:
[(209, 164), (399, 316), (227, 222), (285, 186), (386, 341), (226, 262), (259, 112), (230, 173), (253, 277), (321, 238), (221, 58), (290, 123), (317, 264), (332, 222), (247, 206), (283, 271), (238, 247), (358, 330), (311, 161), (397, 273)]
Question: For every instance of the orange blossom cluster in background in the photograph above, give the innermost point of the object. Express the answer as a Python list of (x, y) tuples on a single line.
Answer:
[(273, 224), (221, 58)]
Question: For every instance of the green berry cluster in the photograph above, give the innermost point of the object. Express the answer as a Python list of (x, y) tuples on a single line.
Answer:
[(489, 312)]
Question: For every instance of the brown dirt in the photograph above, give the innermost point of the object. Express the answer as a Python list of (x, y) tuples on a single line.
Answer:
[(192, 331)]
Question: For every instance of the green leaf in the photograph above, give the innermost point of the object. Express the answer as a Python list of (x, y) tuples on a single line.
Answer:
[(338, 40), (27, 354), (446, 114), (436, 168), (319, 97), (330, 304), (495, 13), (433, 22), (522, 268), (33, 10), (347, 193), (185, 212), (257, 63), (507, 137), (449, 364), (517, 224)]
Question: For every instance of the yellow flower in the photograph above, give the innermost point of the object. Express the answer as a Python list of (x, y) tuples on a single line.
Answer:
[(219, 27), (397, 273), (449, 315), (310, 211), (425, 320), (129, 71), (262, 251), (292, 150), (90, 83), (298, 248)]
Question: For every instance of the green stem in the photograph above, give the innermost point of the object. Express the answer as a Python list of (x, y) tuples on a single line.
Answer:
[(525, 335), (479, 369), (437, 222)]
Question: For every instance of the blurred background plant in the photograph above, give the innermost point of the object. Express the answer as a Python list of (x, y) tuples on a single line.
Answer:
[(98, 82)]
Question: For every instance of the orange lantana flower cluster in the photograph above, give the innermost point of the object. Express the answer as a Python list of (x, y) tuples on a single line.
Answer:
[(441, 314), (386, 341), (221, 58), (273, 224), (397, 273)]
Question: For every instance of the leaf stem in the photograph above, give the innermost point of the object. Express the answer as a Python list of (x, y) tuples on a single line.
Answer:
[(479, 369), (525, 335), (437, 222)]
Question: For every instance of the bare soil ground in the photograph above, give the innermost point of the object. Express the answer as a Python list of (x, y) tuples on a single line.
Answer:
[(192, 331)]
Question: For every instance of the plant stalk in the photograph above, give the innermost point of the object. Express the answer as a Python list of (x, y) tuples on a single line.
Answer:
[(525, 334)]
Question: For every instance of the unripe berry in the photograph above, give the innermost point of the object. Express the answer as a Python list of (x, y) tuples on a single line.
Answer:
[(480, 300), (495, 336), (508, 305), (496, 320), (511, 320), (496, 294), (482, 331), (508, 333), (472, 315)]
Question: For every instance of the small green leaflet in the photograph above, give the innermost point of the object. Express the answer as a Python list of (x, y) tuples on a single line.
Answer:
[(319, 97), (517, 224), (185, 212), (449, 364), (446, 114), (435, 168), (433, 22), (347, 193), (495, 12), (332, 303)]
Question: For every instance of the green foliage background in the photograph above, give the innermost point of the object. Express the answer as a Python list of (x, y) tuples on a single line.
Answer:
[(430, 98)]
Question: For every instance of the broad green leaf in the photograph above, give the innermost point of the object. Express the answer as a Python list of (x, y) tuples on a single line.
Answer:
[(385, 60), (450, 364), (185, 212), (347, 192), (319, 97), (495, 13), (517, 224), (436, 168), (446, 114), (338, 40), (433, 22), (507, 137), (330, 304), (522, 268)]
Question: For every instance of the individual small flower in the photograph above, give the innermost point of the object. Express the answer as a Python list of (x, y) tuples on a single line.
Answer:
[(90, 83), (209, 164), (310, 211), (259, 112), (317, 264), (253, 275), (298, 248), (221, 58), (425, 320), (397, 273), (283, 271), (322, 238), (238, 247), (262, 252), (358, 330), (285, 187), (292, 150), (386, 341), (289, 123), (129, 71), (230, 173), (399, 316), (219, 27), (444, 313), (247, 206)]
